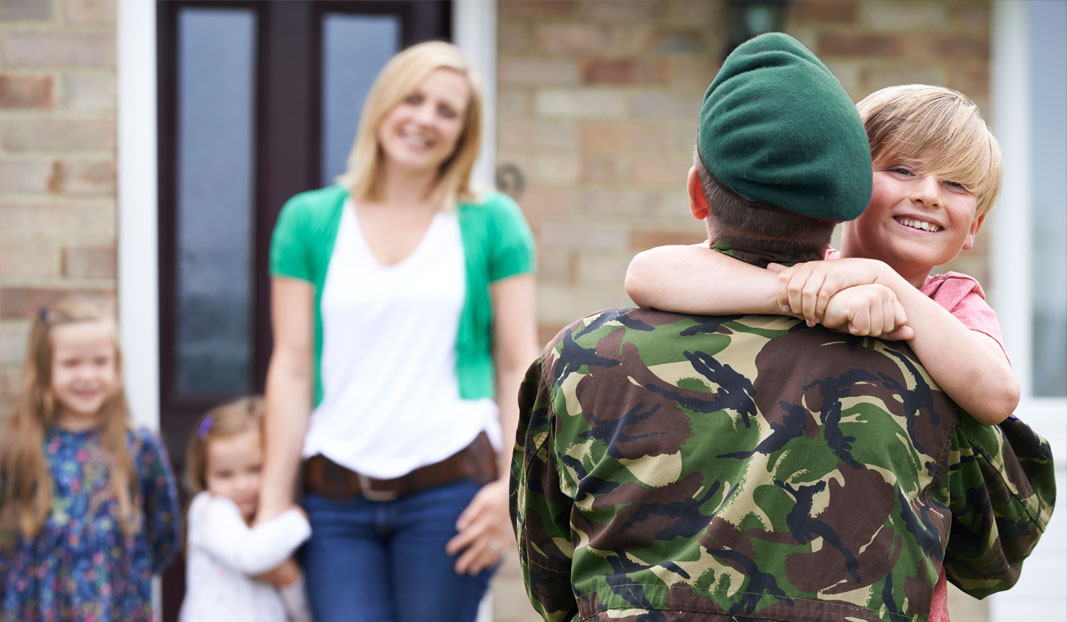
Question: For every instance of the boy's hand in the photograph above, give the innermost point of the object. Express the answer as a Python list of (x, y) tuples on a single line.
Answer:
[(805, 289), (285, 574), (870, 310)]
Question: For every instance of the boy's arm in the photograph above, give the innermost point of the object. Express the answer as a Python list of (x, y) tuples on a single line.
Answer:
[(968, 365), (696, 279)]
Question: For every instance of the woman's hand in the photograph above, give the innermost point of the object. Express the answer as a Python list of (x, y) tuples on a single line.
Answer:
[(484, 530)]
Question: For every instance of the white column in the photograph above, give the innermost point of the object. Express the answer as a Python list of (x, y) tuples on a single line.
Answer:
[(137, 210), (474, 27)]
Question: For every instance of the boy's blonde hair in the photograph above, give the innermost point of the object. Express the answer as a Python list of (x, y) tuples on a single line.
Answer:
[(223, 421), (940, 129), (398, 79), (25, 477)]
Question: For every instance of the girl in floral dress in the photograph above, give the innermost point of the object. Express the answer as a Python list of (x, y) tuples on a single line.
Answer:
[(88, 506)]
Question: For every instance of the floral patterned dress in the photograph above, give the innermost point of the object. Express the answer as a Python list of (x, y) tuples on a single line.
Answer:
[(81, 567)]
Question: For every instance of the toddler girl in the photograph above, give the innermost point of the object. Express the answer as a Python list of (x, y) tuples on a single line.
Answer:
[(224, 552), (88, 506)]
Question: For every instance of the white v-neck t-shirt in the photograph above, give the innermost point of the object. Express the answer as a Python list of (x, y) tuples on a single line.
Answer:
[(391, 398)]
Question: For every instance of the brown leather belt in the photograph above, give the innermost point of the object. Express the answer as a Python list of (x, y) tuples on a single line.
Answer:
[(324, 477)]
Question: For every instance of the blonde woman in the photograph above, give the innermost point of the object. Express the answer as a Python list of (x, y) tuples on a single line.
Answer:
[(403, 321)]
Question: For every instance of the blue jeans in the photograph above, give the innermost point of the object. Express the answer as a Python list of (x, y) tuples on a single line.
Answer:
[(386, 561)]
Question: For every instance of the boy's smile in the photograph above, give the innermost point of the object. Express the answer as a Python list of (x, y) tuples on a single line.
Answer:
[(914, 221)]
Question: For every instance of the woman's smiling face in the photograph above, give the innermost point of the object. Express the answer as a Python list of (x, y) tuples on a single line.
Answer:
[(421, 132)]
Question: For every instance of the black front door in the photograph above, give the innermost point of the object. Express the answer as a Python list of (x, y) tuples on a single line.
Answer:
[(258, 100)]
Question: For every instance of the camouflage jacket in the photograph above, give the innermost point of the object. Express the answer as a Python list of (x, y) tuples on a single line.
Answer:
[(672, 467)]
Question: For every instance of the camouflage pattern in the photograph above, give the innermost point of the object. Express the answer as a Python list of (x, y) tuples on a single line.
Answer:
[(674, 467)]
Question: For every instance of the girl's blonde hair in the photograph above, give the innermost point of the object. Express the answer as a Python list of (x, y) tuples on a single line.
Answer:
[(398, 79), (25, 477), (223, 421), (940, 129)]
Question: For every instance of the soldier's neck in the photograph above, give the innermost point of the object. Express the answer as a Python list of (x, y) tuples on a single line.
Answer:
[(763, 257)]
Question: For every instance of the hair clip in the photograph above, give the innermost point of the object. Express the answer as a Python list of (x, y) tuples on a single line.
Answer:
[(205, 426), (43, 314)]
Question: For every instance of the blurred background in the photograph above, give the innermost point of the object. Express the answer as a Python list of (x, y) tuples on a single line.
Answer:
[(146, 147)]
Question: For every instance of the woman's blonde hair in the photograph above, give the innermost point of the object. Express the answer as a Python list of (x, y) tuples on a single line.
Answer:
[(398, 79), (25, 477), (223, 421), (940, 129)]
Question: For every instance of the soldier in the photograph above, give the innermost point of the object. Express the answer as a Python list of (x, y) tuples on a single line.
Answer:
[(699, 468)]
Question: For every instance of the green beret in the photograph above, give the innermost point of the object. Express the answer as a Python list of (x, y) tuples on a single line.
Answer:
[(776, 126)]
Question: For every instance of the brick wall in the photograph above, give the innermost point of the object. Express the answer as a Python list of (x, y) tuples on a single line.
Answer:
[(597, 107), (57, 162)]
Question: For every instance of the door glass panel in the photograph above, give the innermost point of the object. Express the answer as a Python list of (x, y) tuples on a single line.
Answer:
[(216, 117), (354, 49), (1048, 99)]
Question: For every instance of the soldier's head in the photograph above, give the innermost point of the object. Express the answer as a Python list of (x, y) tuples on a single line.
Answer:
[(781, 153)]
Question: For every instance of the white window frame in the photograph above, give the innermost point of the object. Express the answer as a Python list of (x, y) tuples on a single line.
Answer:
[(1039, 594)]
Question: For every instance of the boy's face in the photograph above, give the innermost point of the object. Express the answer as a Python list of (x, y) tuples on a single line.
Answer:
[(914, 221)]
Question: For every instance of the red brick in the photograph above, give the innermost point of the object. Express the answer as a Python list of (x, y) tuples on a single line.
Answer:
[(824, 12), (34, 134), (91, 11), (87, 177), (27, 261), (624, 136), (626, 12), (971, 82), (862, 45), (582, 39), (691, 72), (957, 48), (601, 169), (21, 303), (79, 49), (700, 12), (623, 72), (25, 91), (24, 10), (640, 240), (675, 41), (27, 175), (970, 16), (96, 262), (537, 9), (536, 71), (513, 36)]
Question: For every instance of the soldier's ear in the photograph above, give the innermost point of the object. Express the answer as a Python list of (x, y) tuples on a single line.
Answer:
[(698, 203)]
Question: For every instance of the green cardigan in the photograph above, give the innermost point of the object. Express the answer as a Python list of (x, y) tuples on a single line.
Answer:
[(497, 243)]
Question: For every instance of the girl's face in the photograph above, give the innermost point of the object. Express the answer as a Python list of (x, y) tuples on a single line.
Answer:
[(914, 222), (84, 371), (421, 131), (233, 467)]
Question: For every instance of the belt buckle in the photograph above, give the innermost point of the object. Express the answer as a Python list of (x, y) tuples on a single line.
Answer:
[(371, 494)]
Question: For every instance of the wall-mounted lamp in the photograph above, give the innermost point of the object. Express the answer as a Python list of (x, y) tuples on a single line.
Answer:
[(749, 18)]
